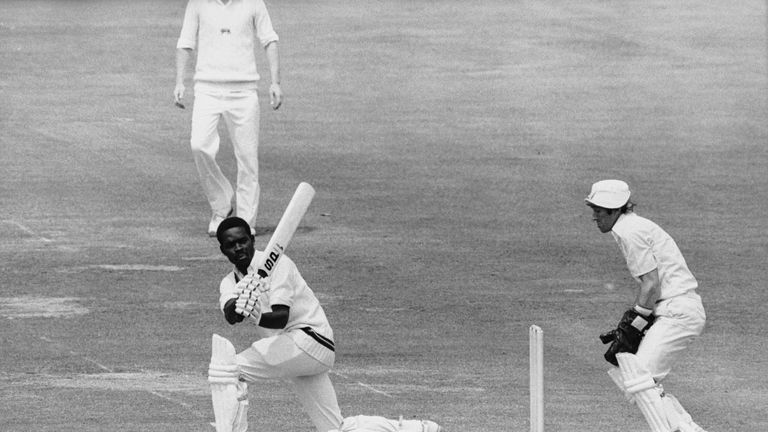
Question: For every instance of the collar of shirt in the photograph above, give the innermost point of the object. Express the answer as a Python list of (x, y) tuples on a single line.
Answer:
[(239, 276), (620, 225)]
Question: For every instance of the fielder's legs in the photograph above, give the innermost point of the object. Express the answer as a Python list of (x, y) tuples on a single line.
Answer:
[(228, 394), (205, 146), (242, 118)]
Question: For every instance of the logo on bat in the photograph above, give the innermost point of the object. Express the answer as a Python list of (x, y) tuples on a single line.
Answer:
[(271, 260)]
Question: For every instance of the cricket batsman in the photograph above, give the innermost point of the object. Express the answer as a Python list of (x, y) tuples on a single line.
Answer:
[(667, 313), (295, 343), (293, 339)]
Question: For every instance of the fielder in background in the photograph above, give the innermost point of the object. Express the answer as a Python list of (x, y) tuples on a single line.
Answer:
[(294, 339), (224, 33), (667, 313)]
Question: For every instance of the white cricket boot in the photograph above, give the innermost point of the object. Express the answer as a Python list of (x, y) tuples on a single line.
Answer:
[(430, 426), (216, 220)]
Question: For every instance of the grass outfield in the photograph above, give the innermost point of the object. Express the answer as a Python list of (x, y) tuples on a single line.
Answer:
[(451, 145)]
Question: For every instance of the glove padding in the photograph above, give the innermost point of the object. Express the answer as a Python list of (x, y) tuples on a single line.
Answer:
[(250, 288), (627, 336)]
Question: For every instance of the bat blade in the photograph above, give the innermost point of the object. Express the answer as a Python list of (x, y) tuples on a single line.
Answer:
[(285, 229)]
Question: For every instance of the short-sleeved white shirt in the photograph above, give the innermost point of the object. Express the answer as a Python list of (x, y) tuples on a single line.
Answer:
[(647, 247), (286, 287), (224, 36)]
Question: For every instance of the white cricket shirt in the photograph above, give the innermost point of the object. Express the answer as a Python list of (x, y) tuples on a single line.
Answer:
[(287, 287), (224, 36), (647, 247)]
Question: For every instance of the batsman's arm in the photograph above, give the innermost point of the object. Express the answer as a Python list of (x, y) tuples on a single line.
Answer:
[(277, 319)]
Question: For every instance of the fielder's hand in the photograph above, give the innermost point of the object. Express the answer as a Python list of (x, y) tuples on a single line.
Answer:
[(634, 325), (275, 96), (615, 348), (628, 335), (608, 337), (178, 95)]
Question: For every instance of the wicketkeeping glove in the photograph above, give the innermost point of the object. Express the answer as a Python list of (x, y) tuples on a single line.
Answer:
[(628, 335)]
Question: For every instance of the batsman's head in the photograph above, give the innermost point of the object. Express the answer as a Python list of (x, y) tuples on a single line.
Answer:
[(236, 241), (608, 200)]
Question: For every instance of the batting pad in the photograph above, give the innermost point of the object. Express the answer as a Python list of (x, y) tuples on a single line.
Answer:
[(640, 384), (615, 374), (678, 417), (228, 394)]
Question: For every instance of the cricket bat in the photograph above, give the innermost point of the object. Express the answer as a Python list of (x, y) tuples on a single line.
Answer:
[(285, 229)]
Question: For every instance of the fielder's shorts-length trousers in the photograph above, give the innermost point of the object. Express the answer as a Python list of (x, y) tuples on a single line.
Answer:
[(679, 320), (279, 357), (240, 111)]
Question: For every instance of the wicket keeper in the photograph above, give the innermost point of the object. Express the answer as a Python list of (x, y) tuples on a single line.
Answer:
[(667, 313)]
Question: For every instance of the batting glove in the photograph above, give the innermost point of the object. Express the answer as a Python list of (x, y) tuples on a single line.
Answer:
[(247, 303), (250, 288)]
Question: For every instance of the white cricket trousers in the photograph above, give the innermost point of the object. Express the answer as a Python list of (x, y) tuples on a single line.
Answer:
[(679, 320), (240, 111), (278, 357)]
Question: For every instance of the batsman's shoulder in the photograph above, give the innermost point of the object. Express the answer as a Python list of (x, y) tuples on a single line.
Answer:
[(229, 280)]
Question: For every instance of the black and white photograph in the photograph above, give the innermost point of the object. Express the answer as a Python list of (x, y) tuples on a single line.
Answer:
[(383, 215)]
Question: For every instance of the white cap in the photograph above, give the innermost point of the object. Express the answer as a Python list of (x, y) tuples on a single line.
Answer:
[(610, 194)]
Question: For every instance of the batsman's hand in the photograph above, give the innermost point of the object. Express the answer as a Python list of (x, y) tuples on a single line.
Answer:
[(253, 282), (247, 304), (250, 288)]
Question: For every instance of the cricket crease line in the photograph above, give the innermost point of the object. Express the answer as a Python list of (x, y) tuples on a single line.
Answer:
[(101, 366), (178, 402), (361, 384), (107, 369), (27, 231)]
